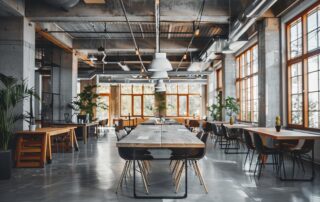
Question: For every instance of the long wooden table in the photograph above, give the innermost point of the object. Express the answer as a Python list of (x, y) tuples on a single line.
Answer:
[(84, 126), (288, 135), (161, 137), (45, 147)]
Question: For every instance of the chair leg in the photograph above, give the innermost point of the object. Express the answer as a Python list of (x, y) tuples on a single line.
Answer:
[(201, 178), (179, 176), (122, 176), (245, 161), (251, 159), (143, 178), (257, 163)]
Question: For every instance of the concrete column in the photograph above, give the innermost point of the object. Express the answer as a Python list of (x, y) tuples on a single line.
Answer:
[(269, 71), (228, 79), (17, 54), (68, 82)]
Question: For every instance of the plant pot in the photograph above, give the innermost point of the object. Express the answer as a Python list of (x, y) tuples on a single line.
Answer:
[(278, 128), (231, 120), (32, 127), (5, 165)]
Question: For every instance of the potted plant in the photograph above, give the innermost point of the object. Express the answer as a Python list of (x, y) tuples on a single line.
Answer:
[(232, 108), (87, 101), (278, 124), (30, 116), (216, 109), (12, 92), (160, 104)]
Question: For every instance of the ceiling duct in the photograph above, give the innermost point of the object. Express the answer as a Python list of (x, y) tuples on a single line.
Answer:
[(65, 4)]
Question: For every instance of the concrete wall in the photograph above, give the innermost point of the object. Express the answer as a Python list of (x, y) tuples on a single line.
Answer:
[(269, 71), (17, 53), (228, 79)]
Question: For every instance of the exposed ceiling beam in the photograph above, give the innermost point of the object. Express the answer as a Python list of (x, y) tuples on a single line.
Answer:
[(139, 11)]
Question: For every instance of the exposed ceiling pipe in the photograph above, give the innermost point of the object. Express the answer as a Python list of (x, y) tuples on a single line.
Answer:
[(157, 16), (254, 14), (256, 6), (133, 38), (65, 4)]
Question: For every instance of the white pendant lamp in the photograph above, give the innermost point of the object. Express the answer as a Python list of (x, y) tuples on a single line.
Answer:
[(160, 63), (160, 75), (160, 86)]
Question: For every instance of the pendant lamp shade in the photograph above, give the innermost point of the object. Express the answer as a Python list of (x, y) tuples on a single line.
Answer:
[(160, 75), (160, 86), (160, 63)]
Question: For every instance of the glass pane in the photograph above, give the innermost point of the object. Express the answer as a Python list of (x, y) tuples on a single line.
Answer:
[(194, 105), (314, 119), (137, 89), (148, 102), (171, 105), (194, 88), (125, 105), (182, 88), (182, 105), (103, 88), (296, 102), (313, 64), (296, 69), (137, 105), (312, 22), (126, 89), (312, 40), (313, 81), (148, 89), (313, 101), (171, 88), (103, 113), (296, 117)]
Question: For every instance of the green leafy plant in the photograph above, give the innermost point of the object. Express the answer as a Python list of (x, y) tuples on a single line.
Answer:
[(216, 109), (160, 103), (30, 116), (87, 101), (231, 105), (12, 92)]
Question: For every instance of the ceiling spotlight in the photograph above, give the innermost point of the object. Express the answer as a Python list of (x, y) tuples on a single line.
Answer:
[(185, 56), (137, 51), (197, 32), (92, 58), (100, 49)]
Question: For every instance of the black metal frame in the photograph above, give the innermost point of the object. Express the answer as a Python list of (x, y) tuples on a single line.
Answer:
[(159, 196), (299, 179)]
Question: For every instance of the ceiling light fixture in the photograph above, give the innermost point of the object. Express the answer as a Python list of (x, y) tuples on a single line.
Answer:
[(160, 63), (160, 75), (137, 51), (197, 32), (185, 56)]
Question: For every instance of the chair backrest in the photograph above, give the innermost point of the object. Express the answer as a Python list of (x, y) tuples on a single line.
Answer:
[(224, 130), (120, 134), (199, 134), (248, 140), (307, 146), (258, 143), (204, 138), (215, 129), (194, 123), (208, 128)]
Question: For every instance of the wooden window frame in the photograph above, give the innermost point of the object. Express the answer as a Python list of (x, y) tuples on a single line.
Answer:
[(303, 59), (243, 78), (178, 102), (132, 94)]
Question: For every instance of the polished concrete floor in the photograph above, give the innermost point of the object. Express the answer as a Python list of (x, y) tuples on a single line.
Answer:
[(91, 175)]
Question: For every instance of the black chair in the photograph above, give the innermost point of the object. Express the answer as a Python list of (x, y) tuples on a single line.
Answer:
[(297, 151), (193, 155), (193, 125), (265, 151), (232, 137), (219, 136), (199, 134), (250, 147)]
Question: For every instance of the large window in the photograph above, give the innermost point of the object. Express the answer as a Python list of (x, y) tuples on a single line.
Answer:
[(247, 84), (304, 69), (103, 91), (183, 100), (137, 100)]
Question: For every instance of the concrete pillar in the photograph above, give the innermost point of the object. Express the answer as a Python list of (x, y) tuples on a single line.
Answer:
[(269, 71), (68, 82), (17, 54), (228, 79)]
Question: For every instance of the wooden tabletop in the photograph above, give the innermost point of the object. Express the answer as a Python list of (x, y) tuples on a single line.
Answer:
[(46, 130), (161, 136), (75, 124), (237, 125), (283, 134), (218, 122)]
